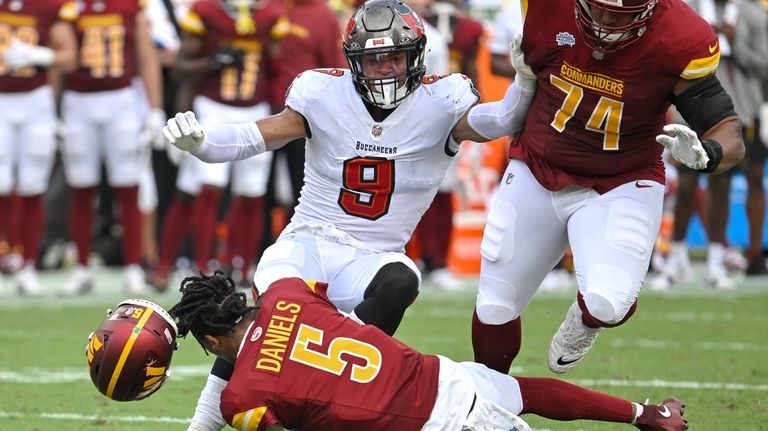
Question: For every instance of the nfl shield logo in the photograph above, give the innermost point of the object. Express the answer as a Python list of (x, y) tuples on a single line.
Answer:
[(376, 130)]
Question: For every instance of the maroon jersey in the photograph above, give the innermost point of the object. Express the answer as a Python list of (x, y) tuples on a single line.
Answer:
[(465, 42), (106, 32), (236, 86), (313, 41), (305, 366), (31, 24), (593, 122)]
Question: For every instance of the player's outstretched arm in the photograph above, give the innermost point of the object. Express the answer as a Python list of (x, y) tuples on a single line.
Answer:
[(229, 142), (496, 119), (713, 142)]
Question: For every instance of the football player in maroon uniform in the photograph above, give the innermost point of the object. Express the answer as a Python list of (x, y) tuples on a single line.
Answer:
[(586, 170), (34, 36), (102, 124), (223, 61), (299, 363)]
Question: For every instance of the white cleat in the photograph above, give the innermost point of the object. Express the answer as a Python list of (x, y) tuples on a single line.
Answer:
[(571, 341), (678, 266), (717, 278), (27, 282), (444, 279), (80, 282), (134, 279)]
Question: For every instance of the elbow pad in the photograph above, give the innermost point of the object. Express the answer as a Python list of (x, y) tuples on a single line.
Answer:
[(229, 142), (704, 104), (505, 117)]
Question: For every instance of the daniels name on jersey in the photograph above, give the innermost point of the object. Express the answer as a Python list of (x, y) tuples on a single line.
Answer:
[(358, 171)]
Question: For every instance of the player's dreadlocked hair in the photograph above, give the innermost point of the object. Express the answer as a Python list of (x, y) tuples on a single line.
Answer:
[(209, 305)]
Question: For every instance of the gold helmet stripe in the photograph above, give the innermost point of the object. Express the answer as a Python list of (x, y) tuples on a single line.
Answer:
[(127, 350)]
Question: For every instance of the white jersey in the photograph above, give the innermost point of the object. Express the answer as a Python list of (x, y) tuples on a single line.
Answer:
[(371, 180)]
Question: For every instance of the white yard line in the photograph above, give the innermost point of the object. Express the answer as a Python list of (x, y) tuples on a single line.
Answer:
[(707, 345), (42, 376), (90, 418)]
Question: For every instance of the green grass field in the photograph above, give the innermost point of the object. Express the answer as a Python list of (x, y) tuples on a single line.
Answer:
[(709, 348)]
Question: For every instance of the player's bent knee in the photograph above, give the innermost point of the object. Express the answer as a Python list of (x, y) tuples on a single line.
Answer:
[(396, 281), (498, 244), (608, 293), (496, 303)]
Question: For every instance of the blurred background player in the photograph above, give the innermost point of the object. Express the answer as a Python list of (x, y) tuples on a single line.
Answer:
[(312, 41), (742, 30), (37, 35), (222, 62), (507, 25), (115, 45)]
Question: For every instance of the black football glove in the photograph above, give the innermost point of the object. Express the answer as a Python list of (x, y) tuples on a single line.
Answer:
[(227, 57)]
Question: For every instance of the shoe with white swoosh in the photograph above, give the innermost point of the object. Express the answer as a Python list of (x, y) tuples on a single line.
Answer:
[(665, 416), (571, 341)]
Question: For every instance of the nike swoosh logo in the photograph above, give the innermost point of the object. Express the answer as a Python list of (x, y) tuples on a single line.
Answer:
[(712, 48), (664, 411), (560, 361), (640, 185)]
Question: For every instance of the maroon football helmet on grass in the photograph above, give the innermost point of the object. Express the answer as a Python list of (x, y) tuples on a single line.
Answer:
[(130, 352)]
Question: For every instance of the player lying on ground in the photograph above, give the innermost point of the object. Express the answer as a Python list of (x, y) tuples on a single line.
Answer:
[(301, 364)]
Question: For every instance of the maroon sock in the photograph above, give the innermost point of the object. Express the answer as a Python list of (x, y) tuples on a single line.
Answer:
[(5, 217), (130, 220), (563, 401), (253, 228), (81, 220), (204, 223), (235, 239), (592, 322), (175, 227), (496, 346), (32, 231), (434, 224), (15, 224)]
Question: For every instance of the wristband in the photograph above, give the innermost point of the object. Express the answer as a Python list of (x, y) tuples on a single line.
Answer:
[(715, 152)]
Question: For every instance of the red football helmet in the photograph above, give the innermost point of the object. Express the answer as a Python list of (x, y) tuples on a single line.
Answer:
[(607, 38), (130, 352)]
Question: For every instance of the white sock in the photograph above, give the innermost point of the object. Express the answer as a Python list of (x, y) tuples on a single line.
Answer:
[(638, 411), (208, 411), (715, 255)]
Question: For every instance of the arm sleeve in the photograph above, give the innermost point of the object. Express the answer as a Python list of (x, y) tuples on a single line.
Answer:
[(229, 142), (505, 117)]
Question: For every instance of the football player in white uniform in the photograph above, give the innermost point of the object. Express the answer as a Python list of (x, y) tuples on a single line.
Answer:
[(380, 137)]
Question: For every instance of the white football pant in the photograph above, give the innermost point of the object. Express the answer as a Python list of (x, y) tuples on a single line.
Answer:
[(27, 141), (103, 125), (611, 236), (348, 270)]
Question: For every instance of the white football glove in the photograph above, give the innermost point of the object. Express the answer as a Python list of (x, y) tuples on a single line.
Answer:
[(153, 129), (524, 77), (684, 145), (184, 132), (20, 55)]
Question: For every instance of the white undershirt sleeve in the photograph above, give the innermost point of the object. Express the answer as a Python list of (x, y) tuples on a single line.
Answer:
[(496, 119), (229, 142)]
